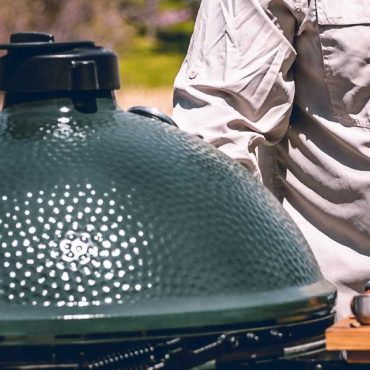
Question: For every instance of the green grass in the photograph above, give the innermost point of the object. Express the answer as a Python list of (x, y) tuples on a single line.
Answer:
[(149, 69), (171, 4), (155, 63)]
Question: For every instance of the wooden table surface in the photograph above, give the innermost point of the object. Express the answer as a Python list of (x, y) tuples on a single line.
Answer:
[(350, 336)]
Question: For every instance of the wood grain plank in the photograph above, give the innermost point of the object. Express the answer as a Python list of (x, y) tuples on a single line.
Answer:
[(348, 335)]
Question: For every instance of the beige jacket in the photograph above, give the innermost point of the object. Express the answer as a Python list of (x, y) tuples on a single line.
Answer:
[(293, 75)]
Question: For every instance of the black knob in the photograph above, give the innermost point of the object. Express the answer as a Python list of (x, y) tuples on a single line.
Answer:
[(31, 37), (36, 64), (84, 75)]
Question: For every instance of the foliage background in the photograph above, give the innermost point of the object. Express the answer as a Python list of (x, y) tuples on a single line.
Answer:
[(149, 36)]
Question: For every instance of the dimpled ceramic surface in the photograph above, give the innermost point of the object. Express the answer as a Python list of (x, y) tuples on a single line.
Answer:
[(113, 216)]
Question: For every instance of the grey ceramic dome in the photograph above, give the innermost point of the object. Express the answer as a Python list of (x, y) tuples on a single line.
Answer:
[(138, 222), (111, 222)]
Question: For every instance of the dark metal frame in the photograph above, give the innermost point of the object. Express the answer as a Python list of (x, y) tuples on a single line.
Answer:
[(283, 346)]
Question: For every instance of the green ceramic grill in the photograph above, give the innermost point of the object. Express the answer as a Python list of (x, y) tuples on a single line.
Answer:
[(121, 235)]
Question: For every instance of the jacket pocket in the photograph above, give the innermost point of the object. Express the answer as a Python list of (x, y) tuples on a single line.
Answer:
[(344, 28)]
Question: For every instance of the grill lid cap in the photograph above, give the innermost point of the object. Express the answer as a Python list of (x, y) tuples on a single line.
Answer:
[(35, 63)]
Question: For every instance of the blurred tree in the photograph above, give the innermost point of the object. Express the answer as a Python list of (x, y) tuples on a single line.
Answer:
[(152, 9), (193, 5), (70, 19), (112, 22)]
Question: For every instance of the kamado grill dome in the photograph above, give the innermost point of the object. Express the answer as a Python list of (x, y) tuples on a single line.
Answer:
[(118, 231)]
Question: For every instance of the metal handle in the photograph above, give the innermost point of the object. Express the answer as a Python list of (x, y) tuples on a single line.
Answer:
[(152, 113)]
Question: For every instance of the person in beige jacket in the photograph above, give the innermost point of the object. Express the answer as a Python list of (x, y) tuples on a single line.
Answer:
[(291, 78)]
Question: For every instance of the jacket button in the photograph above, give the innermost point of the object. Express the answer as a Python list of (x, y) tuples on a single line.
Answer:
[(193, 74)]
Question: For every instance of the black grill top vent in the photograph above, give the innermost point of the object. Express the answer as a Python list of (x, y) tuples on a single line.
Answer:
[(35, 63)]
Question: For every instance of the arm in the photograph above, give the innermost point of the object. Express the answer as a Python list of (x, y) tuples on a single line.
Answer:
[(235, 87)]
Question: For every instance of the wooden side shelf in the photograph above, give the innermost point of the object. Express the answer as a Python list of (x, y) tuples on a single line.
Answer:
[(350, 336)]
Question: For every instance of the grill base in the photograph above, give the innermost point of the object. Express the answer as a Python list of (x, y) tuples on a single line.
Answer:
[(270, 346)]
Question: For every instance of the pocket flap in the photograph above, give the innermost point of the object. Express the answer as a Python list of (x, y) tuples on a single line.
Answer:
[(343, 12)]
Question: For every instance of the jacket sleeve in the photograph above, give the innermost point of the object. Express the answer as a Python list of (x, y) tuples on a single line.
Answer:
[(235, 88)]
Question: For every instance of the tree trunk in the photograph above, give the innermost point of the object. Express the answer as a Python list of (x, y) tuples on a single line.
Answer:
[(152, 11)]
